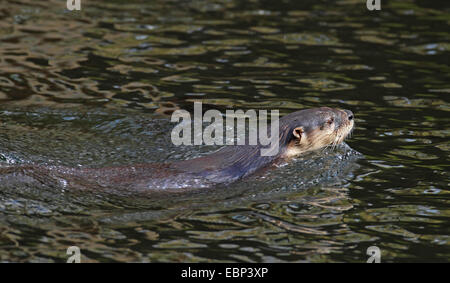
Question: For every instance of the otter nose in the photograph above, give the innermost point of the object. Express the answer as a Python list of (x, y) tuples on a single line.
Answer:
[(349, 114)]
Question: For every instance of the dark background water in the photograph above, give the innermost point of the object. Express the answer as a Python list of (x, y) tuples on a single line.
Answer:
[(96, 88)]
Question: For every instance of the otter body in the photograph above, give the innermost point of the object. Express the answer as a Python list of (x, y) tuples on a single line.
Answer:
[(299, 132)]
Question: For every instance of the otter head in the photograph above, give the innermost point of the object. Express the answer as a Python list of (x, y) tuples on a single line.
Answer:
[(316, 128)]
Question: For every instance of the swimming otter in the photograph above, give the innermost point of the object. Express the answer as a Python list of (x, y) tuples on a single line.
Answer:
[(299, 132)]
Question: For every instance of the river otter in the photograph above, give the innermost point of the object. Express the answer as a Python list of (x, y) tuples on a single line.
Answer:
[(299, 132)]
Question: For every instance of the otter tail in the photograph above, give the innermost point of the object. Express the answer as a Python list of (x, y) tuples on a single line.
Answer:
[(16, 169)]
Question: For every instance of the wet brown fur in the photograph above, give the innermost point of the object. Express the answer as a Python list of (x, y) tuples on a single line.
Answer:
[(316, 128)]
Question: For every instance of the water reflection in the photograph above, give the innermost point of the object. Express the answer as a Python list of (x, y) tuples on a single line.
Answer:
[(94, 88)]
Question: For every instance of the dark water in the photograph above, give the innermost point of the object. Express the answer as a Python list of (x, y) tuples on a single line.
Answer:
[(96, 88)]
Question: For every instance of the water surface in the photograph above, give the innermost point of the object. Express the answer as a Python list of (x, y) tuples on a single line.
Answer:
[(96, 88)]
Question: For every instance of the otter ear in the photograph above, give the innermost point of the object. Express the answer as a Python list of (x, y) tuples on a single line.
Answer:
[(298, 133)]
